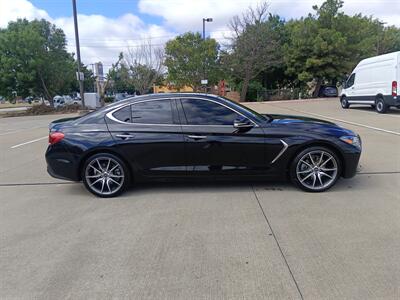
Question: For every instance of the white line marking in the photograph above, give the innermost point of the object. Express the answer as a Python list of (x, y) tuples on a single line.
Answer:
[(29, 142), (343, 121)]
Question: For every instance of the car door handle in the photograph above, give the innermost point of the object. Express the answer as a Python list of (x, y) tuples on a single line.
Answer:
[(197, 137), (125, 136)]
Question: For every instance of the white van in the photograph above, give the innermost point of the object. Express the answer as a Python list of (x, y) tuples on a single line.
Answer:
[(374, 82)]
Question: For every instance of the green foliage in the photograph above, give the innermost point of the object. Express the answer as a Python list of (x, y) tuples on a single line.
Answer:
[(34, 60), (188, 56), (326, 46)]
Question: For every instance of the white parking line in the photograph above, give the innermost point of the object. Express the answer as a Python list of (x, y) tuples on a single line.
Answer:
[(343, 121), (29, 142)]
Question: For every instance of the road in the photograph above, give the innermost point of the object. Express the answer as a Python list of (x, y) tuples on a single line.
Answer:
[(210, 241)]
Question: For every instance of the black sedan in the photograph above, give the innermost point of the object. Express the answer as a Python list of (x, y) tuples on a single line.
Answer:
[(176, 136)]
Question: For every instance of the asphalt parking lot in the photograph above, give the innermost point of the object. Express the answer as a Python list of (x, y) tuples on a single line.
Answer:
[(203, 241)]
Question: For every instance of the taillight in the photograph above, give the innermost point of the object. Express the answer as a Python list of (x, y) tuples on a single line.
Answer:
[(394, 88), (55, 137)]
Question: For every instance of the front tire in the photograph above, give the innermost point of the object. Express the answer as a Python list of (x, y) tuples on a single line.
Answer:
[(105, 175), (315, 169), (345, 104), (380, 106)]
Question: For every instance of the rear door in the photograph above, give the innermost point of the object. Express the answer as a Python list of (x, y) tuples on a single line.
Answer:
[(213, 146), (149, 135)]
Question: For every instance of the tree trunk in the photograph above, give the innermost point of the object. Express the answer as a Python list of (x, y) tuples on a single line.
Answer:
[(245, 87), (46, 91), (317, 88)]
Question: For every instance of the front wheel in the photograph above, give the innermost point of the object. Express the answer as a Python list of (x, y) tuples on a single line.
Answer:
[(315, 169), (345, 104), (105, 175)]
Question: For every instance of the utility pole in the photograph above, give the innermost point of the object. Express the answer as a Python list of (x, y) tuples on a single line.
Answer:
[(205, 80), (78, 54)]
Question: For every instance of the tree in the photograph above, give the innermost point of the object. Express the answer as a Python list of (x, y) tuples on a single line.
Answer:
[(327, 45), (34, 60), (255, 45), (188, 57), (144, 64)]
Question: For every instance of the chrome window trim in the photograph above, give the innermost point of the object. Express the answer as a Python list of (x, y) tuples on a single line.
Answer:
[(283, 150), (111, 117)]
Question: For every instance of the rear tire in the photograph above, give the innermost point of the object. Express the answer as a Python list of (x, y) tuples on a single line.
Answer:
[(315, 169), (380, 106), (345, 104), (105, 175)]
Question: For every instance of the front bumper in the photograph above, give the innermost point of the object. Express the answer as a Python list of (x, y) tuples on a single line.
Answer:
[(350, 164)]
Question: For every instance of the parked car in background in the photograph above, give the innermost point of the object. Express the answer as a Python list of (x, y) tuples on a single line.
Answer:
[(374, 81), (65, 100), (197, 136), (119, 97), (328, 91), (59, 101)]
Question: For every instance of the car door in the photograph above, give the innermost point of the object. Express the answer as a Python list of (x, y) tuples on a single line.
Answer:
[(213, 146), (149, 135)]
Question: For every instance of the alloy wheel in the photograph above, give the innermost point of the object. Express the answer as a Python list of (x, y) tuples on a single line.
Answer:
[(104, 175), (317, 170)]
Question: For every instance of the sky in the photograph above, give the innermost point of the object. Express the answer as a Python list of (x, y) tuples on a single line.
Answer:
[(107, 27)]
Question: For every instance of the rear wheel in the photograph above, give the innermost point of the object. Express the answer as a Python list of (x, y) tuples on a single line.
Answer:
[(315, 169), (105, 175), (345, 104), (380, 106)]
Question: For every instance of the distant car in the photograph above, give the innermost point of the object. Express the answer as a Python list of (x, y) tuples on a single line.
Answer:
[(374, 81), (185, 136), (59, 101), (119, 97), (77, 101), (328, 91)]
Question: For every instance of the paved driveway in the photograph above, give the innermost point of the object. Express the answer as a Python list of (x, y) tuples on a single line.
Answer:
[(209, 241)]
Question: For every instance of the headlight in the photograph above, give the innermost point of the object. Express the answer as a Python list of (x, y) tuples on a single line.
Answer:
[(352, 140)]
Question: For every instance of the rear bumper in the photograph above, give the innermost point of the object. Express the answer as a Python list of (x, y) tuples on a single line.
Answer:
[(60, 164), (392, 101)]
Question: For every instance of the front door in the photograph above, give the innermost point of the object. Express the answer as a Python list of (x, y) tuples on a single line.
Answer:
[(213, 146)]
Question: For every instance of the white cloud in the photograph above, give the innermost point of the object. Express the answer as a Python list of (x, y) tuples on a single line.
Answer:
[(186, 15), (14, 9), (101, 38)]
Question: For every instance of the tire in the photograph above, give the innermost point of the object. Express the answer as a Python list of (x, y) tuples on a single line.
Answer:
[(380, 106), (105, 175), (311, 174), (345, 104)]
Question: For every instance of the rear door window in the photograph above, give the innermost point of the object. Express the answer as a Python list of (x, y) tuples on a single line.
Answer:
[(152, 112)]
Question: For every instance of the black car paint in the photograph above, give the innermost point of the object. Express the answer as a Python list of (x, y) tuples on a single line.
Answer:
[(162, 151)]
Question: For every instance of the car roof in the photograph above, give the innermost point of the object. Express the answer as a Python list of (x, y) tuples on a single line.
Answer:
[(134, 99)]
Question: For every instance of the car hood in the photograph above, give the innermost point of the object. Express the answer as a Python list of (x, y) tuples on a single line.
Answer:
[(309, 124)]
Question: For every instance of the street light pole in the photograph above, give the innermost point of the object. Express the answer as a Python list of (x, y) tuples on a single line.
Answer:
[(78, 54), (204, 62)]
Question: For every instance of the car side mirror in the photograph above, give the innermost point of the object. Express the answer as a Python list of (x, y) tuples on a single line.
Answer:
[(243, 123)]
